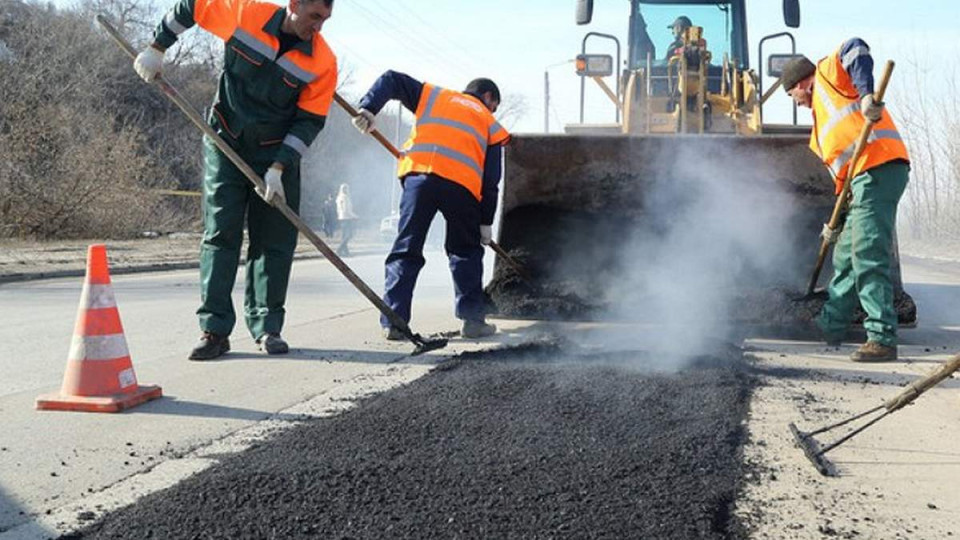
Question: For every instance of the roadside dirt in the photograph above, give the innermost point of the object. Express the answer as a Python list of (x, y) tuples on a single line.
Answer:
[(20, 259)]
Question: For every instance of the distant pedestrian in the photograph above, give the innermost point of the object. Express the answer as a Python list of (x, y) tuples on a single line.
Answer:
[(329, 213), (347, 219)]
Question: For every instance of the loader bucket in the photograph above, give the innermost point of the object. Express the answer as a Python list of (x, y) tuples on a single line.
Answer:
[(604, 225)]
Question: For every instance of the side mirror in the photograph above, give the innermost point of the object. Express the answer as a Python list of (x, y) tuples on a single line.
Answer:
[(791, 13), (584, 11), (594, 65), (776, 62)]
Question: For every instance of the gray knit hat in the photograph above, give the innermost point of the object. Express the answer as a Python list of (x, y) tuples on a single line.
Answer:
[(795, 71)]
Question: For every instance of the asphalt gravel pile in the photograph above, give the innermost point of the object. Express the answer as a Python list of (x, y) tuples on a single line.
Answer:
[(517, 444)]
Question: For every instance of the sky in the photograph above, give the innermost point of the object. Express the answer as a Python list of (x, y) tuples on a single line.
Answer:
[(449, 42)]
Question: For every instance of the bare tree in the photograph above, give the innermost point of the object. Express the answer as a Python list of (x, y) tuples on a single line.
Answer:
[(930, 125), (512, 109)]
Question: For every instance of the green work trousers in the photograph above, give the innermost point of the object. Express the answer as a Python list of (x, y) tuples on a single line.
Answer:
[(863, 256), (229, 198)]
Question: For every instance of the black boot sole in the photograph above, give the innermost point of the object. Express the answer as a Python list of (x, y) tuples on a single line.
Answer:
[(201, 354)]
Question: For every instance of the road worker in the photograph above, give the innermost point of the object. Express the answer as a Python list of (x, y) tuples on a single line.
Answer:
[(839, 89), (274, 94), (678, 28), (451, 164)]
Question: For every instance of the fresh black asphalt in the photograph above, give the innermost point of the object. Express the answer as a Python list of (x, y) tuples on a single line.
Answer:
[(534, 443)]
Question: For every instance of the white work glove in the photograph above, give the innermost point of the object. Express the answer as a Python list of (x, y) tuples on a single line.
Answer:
[(872, 110), (148, 63), (486, 234), (831, 235), (363, 121), (274, 181)]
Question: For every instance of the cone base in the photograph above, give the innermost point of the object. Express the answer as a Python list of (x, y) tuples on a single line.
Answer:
[(113, 403)]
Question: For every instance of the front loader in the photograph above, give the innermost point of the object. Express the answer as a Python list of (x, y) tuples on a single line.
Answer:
[(687, 178)]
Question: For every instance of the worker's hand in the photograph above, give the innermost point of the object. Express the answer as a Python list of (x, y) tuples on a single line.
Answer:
[(363, 121), (872, 110), (149, 63), (831, 235), (486, 234), (274, 181)]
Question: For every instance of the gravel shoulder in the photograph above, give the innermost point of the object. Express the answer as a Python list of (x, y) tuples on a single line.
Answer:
[(22, 260)]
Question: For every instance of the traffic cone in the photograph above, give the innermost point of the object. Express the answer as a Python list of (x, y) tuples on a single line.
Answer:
[(99, 375)]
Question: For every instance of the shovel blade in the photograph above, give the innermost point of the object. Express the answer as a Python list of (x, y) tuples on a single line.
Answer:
[(427, 345)]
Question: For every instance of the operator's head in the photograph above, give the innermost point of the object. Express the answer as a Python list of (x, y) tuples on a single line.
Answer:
[(680, 25), (797, 80), (306, 17), (486, 91)]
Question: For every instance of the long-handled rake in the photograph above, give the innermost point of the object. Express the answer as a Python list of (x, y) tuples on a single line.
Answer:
[(422, 344), (815, 453)]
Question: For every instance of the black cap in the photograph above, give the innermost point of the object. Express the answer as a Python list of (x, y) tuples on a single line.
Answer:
[(795, 71), (479, 87), (683, 21)]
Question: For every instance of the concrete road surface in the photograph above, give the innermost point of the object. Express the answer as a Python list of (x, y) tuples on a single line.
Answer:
[(58, 470), (54, 463)]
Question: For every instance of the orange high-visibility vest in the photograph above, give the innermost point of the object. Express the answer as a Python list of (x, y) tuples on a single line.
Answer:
[(244, 20), (837, 122), (450, 138)]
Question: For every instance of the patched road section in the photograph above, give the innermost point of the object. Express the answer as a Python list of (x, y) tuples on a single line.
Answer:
[(533, 443)]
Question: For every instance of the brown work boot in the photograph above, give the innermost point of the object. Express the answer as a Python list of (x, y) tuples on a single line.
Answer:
[(210, 346), (872, 351), (273, 344)]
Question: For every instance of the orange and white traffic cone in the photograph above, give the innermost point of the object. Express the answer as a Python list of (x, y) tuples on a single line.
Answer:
[(99, 375)]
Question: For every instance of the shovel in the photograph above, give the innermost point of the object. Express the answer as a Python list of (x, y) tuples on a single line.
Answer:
[(815, 453), (844, 194), (497, 248), (422, 344)]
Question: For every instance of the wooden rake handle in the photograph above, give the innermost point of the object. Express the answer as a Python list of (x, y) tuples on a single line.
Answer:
[(916, 388), (373, 133)]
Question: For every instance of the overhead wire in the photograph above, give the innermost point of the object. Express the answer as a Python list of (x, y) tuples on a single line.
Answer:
[(434, 34), (410, 41)]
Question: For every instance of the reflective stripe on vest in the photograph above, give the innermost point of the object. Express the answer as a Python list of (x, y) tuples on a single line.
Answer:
[(450, 138), (838, 121)]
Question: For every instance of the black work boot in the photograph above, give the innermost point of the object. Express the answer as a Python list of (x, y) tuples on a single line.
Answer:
[(872, 351), (210, 346), (273, 344), (477, 329), (392, 333)]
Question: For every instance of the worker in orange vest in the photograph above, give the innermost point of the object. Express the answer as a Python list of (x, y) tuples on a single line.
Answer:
[(275, 90), (451, 164), (839, 89)]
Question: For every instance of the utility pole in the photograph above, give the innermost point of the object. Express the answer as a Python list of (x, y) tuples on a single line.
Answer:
[(546, 101), (546, 93)]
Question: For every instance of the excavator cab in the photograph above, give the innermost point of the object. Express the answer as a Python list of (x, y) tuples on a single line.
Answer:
[(686, 190)]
